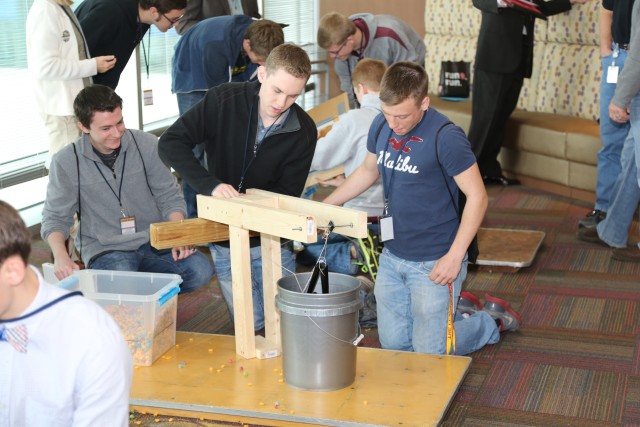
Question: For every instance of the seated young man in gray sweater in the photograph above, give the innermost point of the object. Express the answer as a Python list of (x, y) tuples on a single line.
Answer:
[(114, 180)]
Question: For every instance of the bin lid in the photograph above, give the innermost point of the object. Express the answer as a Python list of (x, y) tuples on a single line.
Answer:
[(123, 286)]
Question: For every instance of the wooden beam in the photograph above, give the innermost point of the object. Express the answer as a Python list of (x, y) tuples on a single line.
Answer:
[(271, 273), (351, 223), (249, 213), (243, 320), (165, 235)]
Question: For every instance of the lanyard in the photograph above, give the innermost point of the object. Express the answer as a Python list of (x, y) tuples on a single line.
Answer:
[(146, 55), (386, 186), (256, 145), (118, 196), (44, 307)]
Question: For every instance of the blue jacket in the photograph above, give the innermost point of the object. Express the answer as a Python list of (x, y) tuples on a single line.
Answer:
[(205, 55)]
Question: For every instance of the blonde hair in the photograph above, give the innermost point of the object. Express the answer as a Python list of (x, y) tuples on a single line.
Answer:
[(290, 58), (334, 28), (369, 72), (64, 2)]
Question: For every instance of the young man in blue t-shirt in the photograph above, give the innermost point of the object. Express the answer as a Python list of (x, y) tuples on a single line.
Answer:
[(425, 240)]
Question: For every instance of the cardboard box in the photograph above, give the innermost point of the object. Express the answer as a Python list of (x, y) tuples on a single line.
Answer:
[(144, 305)]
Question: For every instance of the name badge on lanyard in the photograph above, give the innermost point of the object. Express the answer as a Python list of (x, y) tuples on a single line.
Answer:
[(128, 225), (386, 228)]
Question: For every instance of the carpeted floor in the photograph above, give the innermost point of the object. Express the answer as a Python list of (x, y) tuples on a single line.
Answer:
[(574, 362)]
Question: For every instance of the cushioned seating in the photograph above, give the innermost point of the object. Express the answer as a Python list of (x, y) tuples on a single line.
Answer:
[(553, 136)]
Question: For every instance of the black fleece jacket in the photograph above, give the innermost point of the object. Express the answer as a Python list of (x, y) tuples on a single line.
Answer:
[(226, 121), (111, 28)]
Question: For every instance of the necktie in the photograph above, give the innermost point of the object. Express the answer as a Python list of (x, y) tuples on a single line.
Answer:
[(17, 336)]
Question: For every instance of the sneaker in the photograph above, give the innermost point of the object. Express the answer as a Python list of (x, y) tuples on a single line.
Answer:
[(468, 304), (628, 254), (369, 250), (501, 311), (589, 235), (592, 219)]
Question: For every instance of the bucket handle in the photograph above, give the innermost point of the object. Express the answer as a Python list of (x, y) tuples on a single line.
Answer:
[(321, 268)]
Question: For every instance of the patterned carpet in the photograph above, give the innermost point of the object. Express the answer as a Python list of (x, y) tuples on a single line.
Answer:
[(574, 362)]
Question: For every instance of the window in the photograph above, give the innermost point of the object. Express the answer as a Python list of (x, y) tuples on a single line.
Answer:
[(156, 51), (301, 16), (24, 143)]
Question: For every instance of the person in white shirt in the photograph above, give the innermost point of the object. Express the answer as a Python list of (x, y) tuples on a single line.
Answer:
[(63, 359), (59, 65)]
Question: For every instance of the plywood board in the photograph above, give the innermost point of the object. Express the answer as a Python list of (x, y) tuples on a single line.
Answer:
[(391, 388)]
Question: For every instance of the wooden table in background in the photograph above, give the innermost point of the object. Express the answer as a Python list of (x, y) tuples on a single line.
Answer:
[(202, 376)]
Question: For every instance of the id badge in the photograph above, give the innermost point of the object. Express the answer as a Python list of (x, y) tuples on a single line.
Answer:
[(147, 97), (612, 74), (386, 228), (128, 225)]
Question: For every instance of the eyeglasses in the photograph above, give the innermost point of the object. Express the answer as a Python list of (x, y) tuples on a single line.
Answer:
[(337, 51), (172, 21)]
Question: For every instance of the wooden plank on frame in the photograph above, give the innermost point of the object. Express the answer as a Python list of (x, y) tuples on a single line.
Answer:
[(351, 222), (253, 215), (165, 235)]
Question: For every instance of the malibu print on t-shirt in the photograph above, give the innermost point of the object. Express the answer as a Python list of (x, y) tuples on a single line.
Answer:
[(400, 163)]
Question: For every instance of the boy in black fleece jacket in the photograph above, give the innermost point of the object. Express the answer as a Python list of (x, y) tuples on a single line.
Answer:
[(254, 136)]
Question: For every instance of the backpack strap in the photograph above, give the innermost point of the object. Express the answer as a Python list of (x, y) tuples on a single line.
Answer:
[(472, 251)]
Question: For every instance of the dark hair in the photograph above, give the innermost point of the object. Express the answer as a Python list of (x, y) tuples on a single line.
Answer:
[(263, 36), (404, 80), (94, 98), (163, 6), (290, 58), (14, 236)]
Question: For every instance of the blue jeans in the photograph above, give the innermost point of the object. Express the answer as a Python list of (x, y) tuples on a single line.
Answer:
[(337, 254), (413, 310), (222, 261), (195, 271), (612, 135), (614, 230), (185, 102)]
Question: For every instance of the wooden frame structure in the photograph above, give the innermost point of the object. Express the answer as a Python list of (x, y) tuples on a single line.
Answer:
[(273, 216)]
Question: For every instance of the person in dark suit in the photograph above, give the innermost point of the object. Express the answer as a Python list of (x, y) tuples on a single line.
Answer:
[(504, 58), (198, 10)]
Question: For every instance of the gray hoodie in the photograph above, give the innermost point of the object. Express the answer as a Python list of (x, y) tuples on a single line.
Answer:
[(388, 39), (100, 211)]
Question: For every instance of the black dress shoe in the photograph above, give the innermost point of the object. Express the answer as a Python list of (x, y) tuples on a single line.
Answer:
[(592, 219), (499, 180)]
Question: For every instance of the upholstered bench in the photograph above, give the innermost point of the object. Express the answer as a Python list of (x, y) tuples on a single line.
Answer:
[(552, 139)]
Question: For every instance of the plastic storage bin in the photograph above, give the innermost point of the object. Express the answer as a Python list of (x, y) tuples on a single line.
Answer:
[(144, 305)]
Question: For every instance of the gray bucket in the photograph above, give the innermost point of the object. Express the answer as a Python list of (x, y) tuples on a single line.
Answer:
[(318, 331)]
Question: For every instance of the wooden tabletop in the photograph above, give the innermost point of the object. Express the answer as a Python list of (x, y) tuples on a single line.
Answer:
[(202, 376)]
